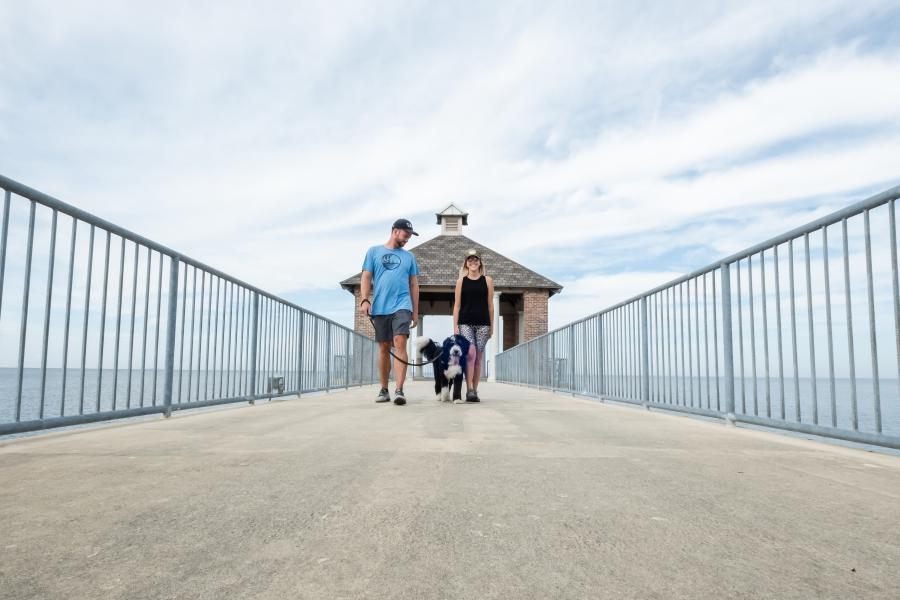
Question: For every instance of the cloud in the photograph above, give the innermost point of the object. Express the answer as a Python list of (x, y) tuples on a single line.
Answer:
[(592, 293), (278, 142)]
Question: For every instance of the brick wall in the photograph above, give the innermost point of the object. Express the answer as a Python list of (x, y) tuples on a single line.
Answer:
[(535, 313), (361, 323), (510, 330)]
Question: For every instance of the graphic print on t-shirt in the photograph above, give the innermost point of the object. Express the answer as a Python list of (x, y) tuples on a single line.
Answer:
[(390, 261)]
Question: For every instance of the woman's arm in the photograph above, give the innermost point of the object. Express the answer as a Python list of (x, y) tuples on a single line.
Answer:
[(457, 294), (490, 299)]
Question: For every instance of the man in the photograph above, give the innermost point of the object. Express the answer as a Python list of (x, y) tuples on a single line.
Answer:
[(395, 306)]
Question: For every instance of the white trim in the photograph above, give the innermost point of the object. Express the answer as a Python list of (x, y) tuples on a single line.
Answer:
[(496, 337)]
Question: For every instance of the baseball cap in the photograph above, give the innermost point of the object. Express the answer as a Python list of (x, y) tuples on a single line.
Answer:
[(472, 252), (405, 225)]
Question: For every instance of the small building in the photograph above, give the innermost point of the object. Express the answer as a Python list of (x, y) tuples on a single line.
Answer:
[(520, 294)]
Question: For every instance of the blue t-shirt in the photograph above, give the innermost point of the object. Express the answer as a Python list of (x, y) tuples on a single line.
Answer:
[(391, 270)]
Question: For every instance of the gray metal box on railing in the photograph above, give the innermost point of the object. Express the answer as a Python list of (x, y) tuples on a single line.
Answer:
[(276, 385)]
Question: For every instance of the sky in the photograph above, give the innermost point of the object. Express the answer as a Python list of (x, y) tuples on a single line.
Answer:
[(609, 146)]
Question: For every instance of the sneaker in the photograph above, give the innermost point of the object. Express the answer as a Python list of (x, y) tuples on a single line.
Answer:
[(383, 396), (474, 397), (399, 398)]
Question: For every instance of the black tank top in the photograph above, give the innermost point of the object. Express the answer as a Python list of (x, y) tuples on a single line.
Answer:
[(473, 302)]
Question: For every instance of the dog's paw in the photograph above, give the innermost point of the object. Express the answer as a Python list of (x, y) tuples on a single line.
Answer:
[(439, 398), (445, 395)]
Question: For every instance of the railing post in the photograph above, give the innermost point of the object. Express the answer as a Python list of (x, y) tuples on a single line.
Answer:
[(253, 345), (300, 355), (347, 364), (4, 234), (601, 350), (586, 367), (645, 356), (572, 358), (328, 354), (554, 379), (171, 318), (728, 349)]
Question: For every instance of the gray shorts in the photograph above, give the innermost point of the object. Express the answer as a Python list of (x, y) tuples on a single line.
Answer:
[(387, 326)]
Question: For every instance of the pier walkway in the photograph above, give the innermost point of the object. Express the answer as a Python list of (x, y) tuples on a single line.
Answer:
[(527, 495)]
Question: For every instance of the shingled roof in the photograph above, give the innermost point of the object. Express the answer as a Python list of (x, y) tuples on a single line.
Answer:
[(439, 260)]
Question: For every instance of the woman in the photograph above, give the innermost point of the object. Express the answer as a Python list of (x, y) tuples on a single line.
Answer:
[(473, 316)]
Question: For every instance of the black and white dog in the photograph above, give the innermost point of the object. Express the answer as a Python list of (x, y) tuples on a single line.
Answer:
[(449, 368)]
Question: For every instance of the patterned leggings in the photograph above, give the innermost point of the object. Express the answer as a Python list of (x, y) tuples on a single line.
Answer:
[(476, 334)]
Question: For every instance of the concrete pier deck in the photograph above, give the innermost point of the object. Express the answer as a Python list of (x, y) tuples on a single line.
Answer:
[(527, 495)]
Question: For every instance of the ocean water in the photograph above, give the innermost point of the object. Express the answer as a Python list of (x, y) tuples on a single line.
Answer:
[(99, 392), (681, 391), (815, 406)]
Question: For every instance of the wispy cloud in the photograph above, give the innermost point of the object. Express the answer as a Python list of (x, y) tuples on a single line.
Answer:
[(277, 142)]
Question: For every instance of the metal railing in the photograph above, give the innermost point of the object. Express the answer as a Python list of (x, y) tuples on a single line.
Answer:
[(129, 327), (762, 337)]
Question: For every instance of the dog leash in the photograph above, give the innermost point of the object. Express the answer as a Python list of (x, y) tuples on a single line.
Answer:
[(422, 364), (391, 352)]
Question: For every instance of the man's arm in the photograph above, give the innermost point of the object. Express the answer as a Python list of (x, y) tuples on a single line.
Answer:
[(414, 294), (365, 287)]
